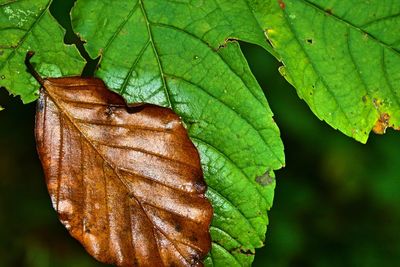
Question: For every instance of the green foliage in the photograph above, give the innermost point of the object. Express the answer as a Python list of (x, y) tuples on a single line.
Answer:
[(336, 199), (213, 90), (149, 55), (184, 55), (343, 57), (28, 25)]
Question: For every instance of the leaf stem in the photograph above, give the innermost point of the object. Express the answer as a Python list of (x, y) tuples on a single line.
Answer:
[(31, 69)]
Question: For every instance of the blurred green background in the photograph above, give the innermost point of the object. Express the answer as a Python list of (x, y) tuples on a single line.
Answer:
[(337, 202)]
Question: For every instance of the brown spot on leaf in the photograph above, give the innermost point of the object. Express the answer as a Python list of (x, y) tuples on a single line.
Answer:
[(195, 259), (364, 99), (200, 186), (282, 4), (265, 179), (193, 238), (109, 110), (377, 103), (329, 11), (178, 227), (381, 124)]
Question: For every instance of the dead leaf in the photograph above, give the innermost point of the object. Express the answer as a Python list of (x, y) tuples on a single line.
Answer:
[(126, 182)]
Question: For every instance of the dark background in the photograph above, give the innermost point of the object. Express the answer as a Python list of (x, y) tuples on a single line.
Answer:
[(337, 201)]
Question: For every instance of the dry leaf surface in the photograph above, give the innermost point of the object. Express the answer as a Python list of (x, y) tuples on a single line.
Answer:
[(126, 182)]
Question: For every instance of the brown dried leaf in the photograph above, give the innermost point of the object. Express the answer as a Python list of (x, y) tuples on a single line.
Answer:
[(126, 182)]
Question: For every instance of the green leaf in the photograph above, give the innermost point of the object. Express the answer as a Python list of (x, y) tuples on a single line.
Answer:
[(28, 25), (175, 54), (343, 57)]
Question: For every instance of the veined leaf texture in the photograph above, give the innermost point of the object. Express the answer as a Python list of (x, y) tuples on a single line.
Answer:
[(125, 181)]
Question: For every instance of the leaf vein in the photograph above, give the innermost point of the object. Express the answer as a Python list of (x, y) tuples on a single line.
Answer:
[(348, 23), (380, 19), (238, 210), (233, 110), (386, 76), (120, 27), (353, 61), (231, 255), (144, 177), (166, 90), (143, 151), (208, 45), (126, 126), (134, 64), (325, 84)]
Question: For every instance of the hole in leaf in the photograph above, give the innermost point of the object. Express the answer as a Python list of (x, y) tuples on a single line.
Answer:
[(61, 9)]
